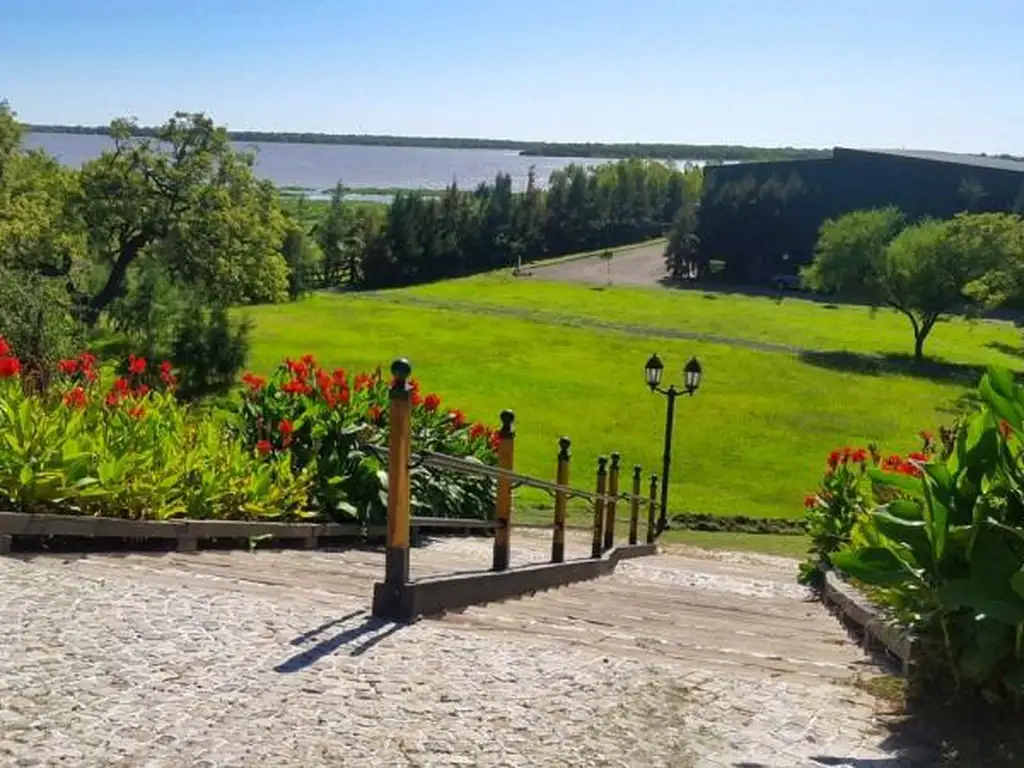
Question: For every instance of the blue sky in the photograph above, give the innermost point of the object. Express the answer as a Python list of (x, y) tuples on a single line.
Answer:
[(945, 74)]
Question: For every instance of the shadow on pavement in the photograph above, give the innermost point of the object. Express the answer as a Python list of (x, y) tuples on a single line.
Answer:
[(370, 632)]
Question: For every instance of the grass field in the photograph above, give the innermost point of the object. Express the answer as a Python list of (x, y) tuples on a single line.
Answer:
[(752, 441)]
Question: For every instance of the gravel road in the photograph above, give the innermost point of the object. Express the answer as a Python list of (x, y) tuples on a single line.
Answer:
[(269, 659)]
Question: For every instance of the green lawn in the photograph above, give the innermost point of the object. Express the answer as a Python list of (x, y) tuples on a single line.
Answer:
[(752, 441), (794, 321)]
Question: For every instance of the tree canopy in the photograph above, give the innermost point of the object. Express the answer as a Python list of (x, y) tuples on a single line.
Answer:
[(924, 270)]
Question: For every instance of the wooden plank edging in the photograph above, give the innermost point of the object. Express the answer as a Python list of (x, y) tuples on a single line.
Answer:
[(855, 608)]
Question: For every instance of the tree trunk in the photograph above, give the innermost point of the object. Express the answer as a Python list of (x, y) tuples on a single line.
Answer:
[(115, 280), (919, 338)]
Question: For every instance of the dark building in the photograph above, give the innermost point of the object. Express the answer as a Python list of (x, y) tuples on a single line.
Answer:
[(762, 219)]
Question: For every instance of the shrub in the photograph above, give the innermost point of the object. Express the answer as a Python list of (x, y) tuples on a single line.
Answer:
[(209, 350), (331, 424), (945, 552)]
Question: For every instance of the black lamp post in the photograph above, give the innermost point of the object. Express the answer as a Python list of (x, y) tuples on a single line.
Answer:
[(691, 381)]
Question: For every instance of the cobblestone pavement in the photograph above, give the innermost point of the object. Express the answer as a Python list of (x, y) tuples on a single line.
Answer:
[(269, 659)]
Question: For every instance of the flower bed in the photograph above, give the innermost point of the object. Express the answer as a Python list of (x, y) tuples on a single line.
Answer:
[(294, 447), (936, 540)]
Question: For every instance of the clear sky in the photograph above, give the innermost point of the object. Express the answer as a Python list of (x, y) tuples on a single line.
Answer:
[(923, 74)]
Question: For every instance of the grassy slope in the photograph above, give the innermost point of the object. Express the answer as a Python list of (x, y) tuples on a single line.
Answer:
[(794, 321), (752, 441)]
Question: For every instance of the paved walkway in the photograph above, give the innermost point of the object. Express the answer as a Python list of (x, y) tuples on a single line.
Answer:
[(269, 659)]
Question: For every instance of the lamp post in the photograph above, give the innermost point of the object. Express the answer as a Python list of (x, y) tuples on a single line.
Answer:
[(691, 381)]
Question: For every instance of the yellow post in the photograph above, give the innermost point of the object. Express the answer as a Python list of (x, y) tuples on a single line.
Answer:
[(634, 505), (602, 483), (506, 460), (609, 510), (562, 478), (652, 508), (396, 558)]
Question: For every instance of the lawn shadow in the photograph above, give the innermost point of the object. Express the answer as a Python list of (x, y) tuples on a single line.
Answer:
[(1007, 349), (370, 631), (895, 364)]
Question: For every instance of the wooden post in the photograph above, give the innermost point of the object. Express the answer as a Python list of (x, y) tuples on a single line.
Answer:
[(609, 510), (562, 478), (634, 505), (652, 508), (396, 553), (602, 482), (506, 460)]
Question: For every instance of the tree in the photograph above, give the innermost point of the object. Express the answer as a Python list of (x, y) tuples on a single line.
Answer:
[(681, 253), (187, 198), (606, 256), (304, 261), (923, 271)]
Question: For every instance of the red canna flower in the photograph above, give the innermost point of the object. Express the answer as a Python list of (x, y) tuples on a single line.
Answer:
[(112, 399), (75, 398), (90, 374), (458, 419), (5, 348), (136, 412), (141, 391), (323, 381), (892, 463), (263, 447), (298, 368), (918, 456), (494, 440), (309, 360), (432, 402), (286, 427), (833, 459), (859, 456), (68, 367), (477, 431), (373, 414), (296, 387), (416, 398), (344, 396), (122, 387), (9, 367), (362, 382), (136, 365), (340, 377), (253, 382), (810, 501), (88, 360)]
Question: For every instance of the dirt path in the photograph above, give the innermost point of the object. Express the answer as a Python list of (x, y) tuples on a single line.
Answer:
[(632, 266), (239, 659)]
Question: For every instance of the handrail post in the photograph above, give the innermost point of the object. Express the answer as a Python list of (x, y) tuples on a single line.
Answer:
[(506, 460), (602, 481), (396, 557), (652, 506), (634, 505), (609, 509), (562, 478)]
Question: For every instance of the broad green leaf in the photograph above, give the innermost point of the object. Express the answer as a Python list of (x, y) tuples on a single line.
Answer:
[(911, 534), (995, 601), (873, 565), (905, 509), (905, 483)]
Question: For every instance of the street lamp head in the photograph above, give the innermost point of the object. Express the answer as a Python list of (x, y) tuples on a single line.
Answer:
[(692, 372), (653, 371)]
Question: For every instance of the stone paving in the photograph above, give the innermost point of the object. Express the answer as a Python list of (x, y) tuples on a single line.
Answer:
[(269, 659)]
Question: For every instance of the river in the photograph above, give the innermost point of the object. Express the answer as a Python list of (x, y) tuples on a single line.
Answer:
[(318, 167)]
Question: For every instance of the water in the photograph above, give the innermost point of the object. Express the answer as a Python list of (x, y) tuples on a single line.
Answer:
[(318, 167)]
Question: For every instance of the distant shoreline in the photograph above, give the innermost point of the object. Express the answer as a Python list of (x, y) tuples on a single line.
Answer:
[(701, 152)]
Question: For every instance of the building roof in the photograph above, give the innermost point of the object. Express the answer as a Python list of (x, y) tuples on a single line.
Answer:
[(977, 161)]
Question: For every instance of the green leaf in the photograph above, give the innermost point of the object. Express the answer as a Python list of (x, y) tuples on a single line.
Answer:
[(1001, 380), (995, 601), (911, 534), (873, 565), (905, 483), (1003, 405), (904, 509)]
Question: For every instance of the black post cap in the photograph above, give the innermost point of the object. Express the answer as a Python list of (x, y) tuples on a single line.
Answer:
[(615, 460), (637, 471), (654, 482), (602, 464), (564, 443), (401, 369), (507, 419)]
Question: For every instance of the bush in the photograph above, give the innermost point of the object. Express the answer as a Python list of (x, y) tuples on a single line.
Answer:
[(209, 350), (945, 552), (330, 424)]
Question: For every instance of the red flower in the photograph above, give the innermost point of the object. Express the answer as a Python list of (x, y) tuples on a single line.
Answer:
[(263, 447), (5, 348), (416, 398), (286, 427), (9, 367), (458, 419), (833, 459), (167, 374), (892, 463), (253, 382), (414, 385), (68, 367), (309, 360), (1005, 429), (344, 396), (90, 374), (432, 402), (122, 387), (477, 431), (141, 391), (136, 365), (362, 382), (88, 360), (373, 414), (323, 381), (296, 387), (75, 398), (299, 369), (136, 412), (859, 456), (494, 440), (112, 399), (340, 377), (810, 501), (918, 456)]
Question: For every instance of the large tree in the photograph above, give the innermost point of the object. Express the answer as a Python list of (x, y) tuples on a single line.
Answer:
[(923, 271), (187, 199)]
